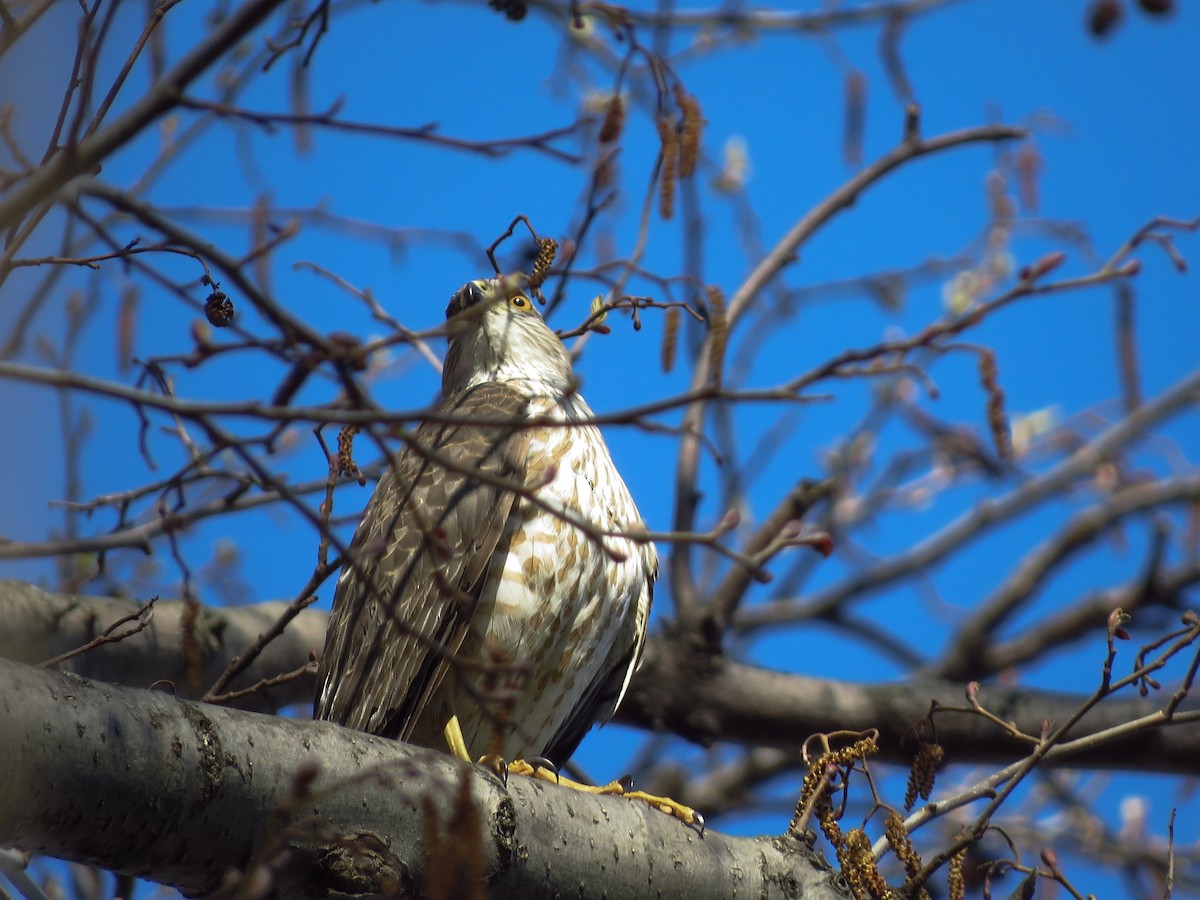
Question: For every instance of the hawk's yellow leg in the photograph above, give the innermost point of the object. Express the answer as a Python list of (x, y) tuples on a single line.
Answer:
[(458, 748)]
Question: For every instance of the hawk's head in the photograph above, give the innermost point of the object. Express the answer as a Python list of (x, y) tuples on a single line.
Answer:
[(497, 334)]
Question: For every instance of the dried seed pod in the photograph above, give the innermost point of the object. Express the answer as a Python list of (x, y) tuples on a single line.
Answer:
[(353, 349), (218, 309), (1157, 7), (514, 10), (1103, 16)]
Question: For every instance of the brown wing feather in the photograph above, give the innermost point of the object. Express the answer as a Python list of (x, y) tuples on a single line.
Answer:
[(417, 561)]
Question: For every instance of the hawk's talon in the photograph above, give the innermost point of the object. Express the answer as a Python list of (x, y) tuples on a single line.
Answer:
[(534, 767), (540, 764), (496, 766)]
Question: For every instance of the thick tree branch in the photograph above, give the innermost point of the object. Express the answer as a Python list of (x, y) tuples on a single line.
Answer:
[(706, 700), (39, 625), (206, 798), (678, 690)]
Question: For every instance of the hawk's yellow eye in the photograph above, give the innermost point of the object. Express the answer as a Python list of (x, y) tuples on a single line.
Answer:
[(519, 301)]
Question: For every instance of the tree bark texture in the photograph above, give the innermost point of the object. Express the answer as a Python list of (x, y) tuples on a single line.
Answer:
[(701, 698), (206, 798)]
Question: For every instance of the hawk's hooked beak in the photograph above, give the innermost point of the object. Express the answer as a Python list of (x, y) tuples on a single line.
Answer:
[(470, 294)]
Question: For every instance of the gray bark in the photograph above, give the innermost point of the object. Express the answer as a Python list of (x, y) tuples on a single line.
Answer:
[(204, 798), (700, 698), (39, 625)]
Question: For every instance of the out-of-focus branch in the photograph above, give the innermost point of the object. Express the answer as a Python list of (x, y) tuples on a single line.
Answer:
[(754, 20), (984, 517), (687, 497), (1163, 589), (727, 596), (967, 656), (14, 27), (425, 133), (289, 326), (140, 535), (84, 156)]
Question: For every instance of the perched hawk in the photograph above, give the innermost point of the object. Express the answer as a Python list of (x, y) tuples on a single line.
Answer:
[(491, 578)]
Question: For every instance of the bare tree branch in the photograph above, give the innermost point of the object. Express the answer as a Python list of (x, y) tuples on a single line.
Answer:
[(215, 800), (84, 156), (699, 697), (985, 516)]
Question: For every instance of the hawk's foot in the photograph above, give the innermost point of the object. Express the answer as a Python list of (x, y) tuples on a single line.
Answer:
[(684, 814), (534, 768), (542, 769), (545, 770)]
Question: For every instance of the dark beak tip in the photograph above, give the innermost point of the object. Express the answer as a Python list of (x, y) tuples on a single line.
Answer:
[(464, 298)]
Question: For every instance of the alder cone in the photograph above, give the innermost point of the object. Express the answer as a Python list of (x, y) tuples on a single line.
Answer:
[(1103, 16)]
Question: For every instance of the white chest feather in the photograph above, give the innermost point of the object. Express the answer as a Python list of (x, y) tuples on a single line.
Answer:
[(567, 594)]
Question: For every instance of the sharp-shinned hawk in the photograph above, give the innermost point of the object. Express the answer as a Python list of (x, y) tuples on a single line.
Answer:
[(493, 577)]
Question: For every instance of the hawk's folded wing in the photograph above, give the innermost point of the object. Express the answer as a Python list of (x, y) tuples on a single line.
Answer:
[(417, 562)]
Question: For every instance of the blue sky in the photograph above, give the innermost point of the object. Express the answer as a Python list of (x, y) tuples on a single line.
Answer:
[(1117, 123)]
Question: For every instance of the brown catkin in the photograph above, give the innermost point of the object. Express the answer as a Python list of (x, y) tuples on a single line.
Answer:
[(670, 167), (855, 90), (897, 835), (829, 824), (997, 419), (859, 868), (718, 329), (921, 775), (670, 338), (345, 454), (547, 248), (693, 124), (614, 120), (126, 327), (814, 780), (956, 884)]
